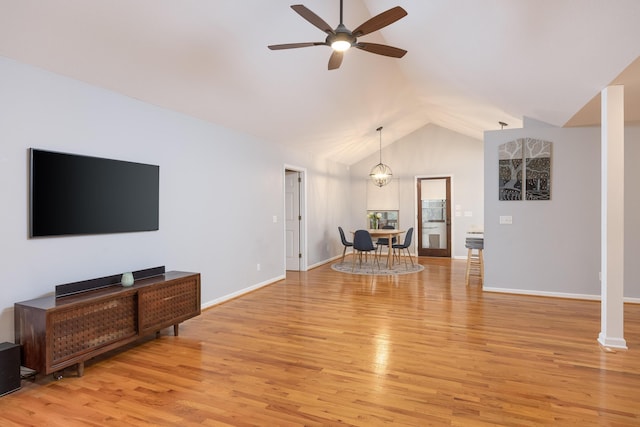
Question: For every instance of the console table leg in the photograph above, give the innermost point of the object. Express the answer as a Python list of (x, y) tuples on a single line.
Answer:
[(175, 329), (80, 369)]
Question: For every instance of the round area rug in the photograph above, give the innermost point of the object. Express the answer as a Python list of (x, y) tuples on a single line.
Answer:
[(367, 268)]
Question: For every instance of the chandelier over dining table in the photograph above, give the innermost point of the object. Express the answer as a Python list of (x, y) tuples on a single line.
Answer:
[(381, 174)]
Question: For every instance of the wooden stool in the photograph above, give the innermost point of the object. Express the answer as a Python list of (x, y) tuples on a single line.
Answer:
[(475, 262)]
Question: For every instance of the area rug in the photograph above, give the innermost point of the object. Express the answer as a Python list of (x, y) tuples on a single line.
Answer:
[(365, 268)]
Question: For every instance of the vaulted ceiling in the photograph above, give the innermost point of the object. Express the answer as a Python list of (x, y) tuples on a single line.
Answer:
[(470, 63)]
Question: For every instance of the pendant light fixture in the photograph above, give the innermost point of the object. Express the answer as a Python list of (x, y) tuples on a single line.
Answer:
[(381, 174)]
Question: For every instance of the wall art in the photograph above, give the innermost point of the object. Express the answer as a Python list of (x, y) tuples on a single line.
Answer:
[(524, 170)]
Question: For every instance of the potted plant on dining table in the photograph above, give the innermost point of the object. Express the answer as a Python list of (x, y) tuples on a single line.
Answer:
[(374, 219)]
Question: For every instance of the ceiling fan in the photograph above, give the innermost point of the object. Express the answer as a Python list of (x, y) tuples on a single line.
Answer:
[(342, 38)]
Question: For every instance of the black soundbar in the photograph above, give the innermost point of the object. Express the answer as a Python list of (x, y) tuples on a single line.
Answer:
[(103, 282)]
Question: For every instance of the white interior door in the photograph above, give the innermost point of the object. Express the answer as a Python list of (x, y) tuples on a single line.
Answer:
[(292, 219)]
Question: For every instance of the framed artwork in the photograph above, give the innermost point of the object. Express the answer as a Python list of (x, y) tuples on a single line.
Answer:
[(537, 169), (510, 173), (524, 170)]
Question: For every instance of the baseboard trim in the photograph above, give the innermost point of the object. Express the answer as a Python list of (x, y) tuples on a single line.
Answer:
[(239, 293), (541, 293), (553, 294), (612, 342), (318, 264)]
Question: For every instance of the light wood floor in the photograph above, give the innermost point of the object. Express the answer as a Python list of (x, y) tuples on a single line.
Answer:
[(327, 348)]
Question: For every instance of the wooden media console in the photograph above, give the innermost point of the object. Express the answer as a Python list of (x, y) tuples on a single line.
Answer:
[(56, 333)]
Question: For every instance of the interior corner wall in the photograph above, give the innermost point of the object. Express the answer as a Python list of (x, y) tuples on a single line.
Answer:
[(553, 246), (219, 192), (429, 151)]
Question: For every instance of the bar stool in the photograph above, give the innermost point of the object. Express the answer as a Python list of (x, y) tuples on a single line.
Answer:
[(475, 261)]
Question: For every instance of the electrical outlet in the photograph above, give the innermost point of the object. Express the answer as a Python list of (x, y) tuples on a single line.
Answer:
[(258, 267)]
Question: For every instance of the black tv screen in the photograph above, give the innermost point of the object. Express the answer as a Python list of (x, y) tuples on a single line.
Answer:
[(75, 194)]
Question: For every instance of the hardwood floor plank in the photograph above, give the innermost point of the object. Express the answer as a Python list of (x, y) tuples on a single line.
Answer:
[(328, 348)]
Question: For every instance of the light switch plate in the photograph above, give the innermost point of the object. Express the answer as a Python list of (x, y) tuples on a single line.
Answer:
[(506, 219)]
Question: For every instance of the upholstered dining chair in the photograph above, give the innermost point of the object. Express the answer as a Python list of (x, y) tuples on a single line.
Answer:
[(406, 245), (384, 241), (345, 242), (362, 243)]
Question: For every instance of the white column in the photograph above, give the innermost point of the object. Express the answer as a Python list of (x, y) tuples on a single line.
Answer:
[(612, 221)]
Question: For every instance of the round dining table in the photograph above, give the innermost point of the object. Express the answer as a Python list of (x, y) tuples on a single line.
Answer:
[(389, 233)]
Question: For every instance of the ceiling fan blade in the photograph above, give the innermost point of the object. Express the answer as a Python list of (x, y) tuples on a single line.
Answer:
[(294, 45), (312, 18), (382, 49), (380, 21), (336, 60)]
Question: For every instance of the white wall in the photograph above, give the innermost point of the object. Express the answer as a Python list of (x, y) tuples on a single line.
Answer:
[(631, 213), (553, 247), (219, 191), (429, 151), (328, 187)]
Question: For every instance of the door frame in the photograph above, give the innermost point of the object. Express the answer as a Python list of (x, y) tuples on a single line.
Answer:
[(450, 212), (303, 214)]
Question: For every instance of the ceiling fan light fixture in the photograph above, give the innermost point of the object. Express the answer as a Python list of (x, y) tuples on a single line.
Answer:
[(340, 45), (342, 40)]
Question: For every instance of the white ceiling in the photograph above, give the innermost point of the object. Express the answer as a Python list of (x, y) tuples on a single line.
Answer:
[(470, 63)]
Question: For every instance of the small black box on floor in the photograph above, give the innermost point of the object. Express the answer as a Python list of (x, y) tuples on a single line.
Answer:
[(9, 367)]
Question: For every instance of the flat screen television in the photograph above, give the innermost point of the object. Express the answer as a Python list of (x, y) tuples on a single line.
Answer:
[(71, 194)]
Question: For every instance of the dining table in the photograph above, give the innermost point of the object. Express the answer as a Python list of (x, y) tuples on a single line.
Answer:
[(389, 234)]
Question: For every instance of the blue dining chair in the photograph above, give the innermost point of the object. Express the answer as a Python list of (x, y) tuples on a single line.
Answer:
[(384, 241), (406, 245), (345, 242), (362, 243)]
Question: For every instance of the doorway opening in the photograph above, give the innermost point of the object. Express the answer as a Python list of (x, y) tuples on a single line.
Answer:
[(294, 228), (434, 216)]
